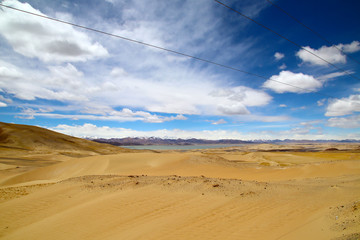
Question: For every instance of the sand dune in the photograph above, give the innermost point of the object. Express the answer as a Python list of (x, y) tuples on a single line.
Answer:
[(197, 164), (249, 192), (173, 207)]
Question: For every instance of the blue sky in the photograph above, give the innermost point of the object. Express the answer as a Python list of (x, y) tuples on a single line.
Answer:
[(88, 84)]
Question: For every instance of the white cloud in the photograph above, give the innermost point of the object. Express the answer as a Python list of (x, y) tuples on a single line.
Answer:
[(46, 40), (220, 121), (7, 100), (125, 115), (2, 104), (283, 105), (65, 72), (278, 56), (303, 83), (62, 84), (283, 66), (321, 102), (345, 122), (343, 106), (137, 77), (333, 75), (8, 71), (118, 72), (299, 108), (234, 109), (263, 118), (185, 93), (234, 101), (330, 54), (310, 124), (350, 48)]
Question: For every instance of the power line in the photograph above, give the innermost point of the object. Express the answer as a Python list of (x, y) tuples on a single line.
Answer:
[(294, 43), (313, 31), (165, 49)]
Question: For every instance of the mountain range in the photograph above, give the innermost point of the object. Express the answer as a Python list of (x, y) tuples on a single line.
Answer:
[(194, 141)]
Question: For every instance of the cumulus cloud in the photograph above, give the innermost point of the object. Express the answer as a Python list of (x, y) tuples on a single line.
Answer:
[(2, 104), (278, 56), (234, 101), (303, 83), (350, 48), (343, 106), (330, 54), (345, 122), (48, 41)]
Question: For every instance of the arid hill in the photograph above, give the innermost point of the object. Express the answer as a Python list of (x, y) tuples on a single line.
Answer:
[(24, 139)]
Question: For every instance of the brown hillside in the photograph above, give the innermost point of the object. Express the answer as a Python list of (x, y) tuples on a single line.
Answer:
[(15, 138)]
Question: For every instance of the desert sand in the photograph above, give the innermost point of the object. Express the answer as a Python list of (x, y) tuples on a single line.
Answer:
[(53, 186)]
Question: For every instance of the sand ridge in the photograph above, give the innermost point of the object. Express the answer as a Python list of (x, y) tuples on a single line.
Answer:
[(248, 166)]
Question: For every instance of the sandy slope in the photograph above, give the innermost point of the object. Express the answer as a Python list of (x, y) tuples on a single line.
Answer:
[(173, 207), (210, 197), (251, 192)]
